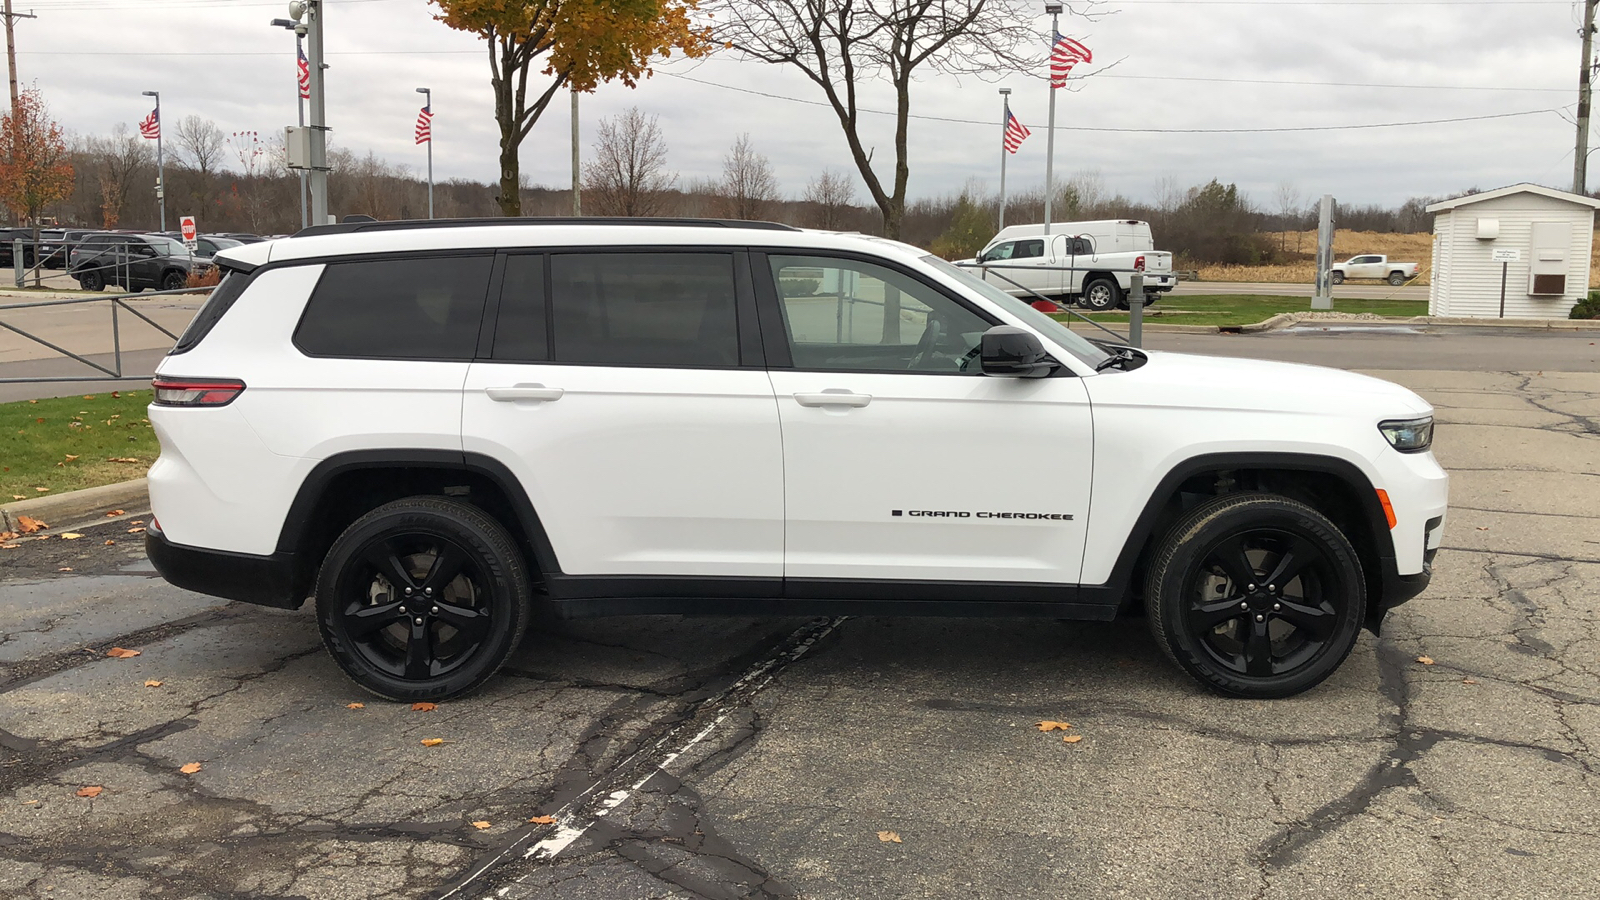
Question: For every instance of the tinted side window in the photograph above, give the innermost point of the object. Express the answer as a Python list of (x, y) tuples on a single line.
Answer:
[(1029, 249), (415, 308), (519, 332), (644, 309), (219, 302)]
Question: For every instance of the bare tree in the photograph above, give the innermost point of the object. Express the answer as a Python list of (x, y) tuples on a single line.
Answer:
[(123, 161), (199, 144), (838, 44), (1288, 207), (628, 175), (748, 186), (833, 195)]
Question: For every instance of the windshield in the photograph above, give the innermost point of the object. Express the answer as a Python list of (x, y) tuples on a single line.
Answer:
[(1038, 321)]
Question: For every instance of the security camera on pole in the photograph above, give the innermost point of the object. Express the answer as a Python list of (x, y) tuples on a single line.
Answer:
[(308, 147)]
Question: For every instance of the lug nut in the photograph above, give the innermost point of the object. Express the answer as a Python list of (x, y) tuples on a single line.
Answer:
[(402, 609), (434, 610), (1272, 587), (408, 592), (1261, 618), (428, 591), (1250, 587), (419, 620), (1277, 606), (1244, 605)]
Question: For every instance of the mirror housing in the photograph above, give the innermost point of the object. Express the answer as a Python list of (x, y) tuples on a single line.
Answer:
[(1009, 351)]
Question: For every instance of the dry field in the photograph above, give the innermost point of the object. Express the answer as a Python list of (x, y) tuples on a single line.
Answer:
[(1346, 243)]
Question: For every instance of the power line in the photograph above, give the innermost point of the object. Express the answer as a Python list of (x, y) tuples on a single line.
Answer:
[(1110, 130)]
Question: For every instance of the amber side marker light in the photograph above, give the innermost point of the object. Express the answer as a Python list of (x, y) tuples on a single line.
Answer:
[(1388, 510)]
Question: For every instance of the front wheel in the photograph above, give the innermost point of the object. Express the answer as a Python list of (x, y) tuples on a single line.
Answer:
[(1336, 277), (173, 280), (1102, 294), (1397, 278), (1256, 595), (423, 598), (92, 281)]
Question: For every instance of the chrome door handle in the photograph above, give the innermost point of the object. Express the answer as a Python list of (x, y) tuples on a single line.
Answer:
[(834, 397), (524, 392)]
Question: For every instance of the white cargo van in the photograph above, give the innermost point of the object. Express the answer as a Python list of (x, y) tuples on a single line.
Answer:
[(1090, 263)]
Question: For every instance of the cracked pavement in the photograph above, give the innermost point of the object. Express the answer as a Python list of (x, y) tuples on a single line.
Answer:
[(734, 758)]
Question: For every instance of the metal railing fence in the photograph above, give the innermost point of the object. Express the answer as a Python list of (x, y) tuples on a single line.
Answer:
[(1135, 335), (118, 304)]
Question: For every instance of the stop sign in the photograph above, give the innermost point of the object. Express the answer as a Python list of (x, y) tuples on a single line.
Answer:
[(187, 225)]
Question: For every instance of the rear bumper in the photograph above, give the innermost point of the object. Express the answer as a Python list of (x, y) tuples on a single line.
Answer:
[(262, 580)]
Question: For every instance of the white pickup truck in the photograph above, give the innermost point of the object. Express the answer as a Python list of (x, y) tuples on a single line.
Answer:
[(1090, 263), (1373, 265)]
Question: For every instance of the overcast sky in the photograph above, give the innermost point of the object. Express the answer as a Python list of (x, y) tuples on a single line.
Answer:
[(1179, 64)]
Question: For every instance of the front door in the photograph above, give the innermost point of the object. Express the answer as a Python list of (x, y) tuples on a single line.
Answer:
[(646, 444), (901, 460)]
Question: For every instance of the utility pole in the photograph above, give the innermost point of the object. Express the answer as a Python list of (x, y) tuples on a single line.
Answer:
[(1580, 160), (11, 49), (577, 189), (310, 13)]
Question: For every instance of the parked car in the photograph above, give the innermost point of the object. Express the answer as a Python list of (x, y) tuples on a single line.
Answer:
[(1373, 265), (243, 237), (207, 246), (1091, 263), (433, 427), (8, 239), (144, 261)]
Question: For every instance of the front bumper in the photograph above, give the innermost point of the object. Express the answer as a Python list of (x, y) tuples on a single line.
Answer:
[(263, 580)]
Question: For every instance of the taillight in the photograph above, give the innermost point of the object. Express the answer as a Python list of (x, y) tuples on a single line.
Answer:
[(196, 391), (1138, 264)]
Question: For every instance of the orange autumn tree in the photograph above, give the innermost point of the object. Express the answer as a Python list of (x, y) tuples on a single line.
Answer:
[(35, 170), (580, 43)]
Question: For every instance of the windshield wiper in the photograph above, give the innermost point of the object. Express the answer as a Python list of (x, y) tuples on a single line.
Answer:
[(1118, 358)]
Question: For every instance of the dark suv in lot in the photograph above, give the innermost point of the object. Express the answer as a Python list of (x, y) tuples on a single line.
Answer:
[(135, 261)]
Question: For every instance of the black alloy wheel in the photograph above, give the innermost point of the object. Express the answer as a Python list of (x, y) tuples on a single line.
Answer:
[(1256, 595), (173, 280), (92, 281), (423, 598)]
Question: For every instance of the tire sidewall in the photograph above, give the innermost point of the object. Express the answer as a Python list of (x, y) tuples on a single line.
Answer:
[(1110, 291), (494, 553), (1176, 567)]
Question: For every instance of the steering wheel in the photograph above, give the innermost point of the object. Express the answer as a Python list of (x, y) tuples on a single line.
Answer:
[(925, 344)]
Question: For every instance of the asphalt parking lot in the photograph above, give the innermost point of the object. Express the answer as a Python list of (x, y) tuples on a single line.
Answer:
[(854, 758)]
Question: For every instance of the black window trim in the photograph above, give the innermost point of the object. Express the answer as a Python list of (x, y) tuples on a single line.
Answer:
[(775, 329), (325, 262)]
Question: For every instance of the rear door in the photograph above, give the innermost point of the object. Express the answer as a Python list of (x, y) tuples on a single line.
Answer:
[(625, 390)]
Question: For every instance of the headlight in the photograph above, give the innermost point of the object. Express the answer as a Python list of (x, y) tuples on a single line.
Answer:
[(1408, 435)]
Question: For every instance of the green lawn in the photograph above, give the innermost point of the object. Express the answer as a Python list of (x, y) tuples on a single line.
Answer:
[(70, 442), (1247, 309)]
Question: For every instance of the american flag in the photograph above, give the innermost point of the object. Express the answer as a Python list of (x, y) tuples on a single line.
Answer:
[(1064, 54), (305, 76), (151, 126), (425, 125), (1016, 132)]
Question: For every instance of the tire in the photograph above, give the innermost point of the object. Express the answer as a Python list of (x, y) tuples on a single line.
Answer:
[(1336, 277), (1102, 294), (173, 280), (1202, 617), (92, 281), (1397, 278), (439, 648)]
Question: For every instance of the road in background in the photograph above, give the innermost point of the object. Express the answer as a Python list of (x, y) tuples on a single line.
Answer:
[(1349, 290)]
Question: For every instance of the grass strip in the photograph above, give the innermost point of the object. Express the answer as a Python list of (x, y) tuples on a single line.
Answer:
[(67, 443), (1233, 310)]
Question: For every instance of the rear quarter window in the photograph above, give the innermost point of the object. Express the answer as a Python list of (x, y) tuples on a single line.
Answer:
[(219, 301), (411, 308)]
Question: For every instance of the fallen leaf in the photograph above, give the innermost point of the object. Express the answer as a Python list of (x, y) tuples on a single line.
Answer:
[(1483, 528), (121, 653), (70, 535), (30, 803), (92, 790), (40, 421), (1469, 681), (542, 820), (1071, 738), (423, 706), (355, 706), (432, 742), (135, 530), (9, 546), (42, 490), (18, 497), (1048, 725), (88, 396), (136, 522), (64, 569), (115, 395), (109, 543), (889, 837), (70, 457), (28, 524), (1425, 660), (121, 459), (480, 825), (113, 513), (152, 683), (190, 768)]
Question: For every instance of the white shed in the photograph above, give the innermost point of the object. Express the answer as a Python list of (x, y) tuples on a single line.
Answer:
[(1550, 234)]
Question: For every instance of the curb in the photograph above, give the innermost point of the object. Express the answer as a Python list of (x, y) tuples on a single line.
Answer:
[(1152, 327), (1284, 320), (75, 505)]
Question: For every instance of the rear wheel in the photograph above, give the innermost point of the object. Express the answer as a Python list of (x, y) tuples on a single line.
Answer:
[(1256, 595), (423, 598), (92, 281), (173, 280), (1397, 278), (1102, 294), (1336, 277)]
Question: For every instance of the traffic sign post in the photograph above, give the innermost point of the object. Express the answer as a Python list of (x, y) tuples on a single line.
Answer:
[(190, 233), (1505, 256)]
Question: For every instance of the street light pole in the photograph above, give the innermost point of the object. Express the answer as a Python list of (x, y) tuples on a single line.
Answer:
[(1054, 9), (1005, 123), (425, 92), (161, 169), (299, 102), (577, 187), (309, 13)]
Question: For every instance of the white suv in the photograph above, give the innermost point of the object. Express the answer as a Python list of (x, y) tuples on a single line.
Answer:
[(432, 427)]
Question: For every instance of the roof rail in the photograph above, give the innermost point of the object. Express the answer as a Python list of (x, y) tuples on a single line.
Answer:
[(409, 224)]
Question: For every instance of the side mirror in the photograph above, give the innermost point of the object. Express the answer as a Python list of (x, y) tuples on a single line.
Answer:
[(1007, 350)]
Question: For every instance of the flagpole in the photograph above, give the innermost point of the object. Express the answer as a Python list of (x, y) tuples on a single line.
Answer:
[(1054, 9), (428, 93), (300, 107), (161, 169), (1005, 123)]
